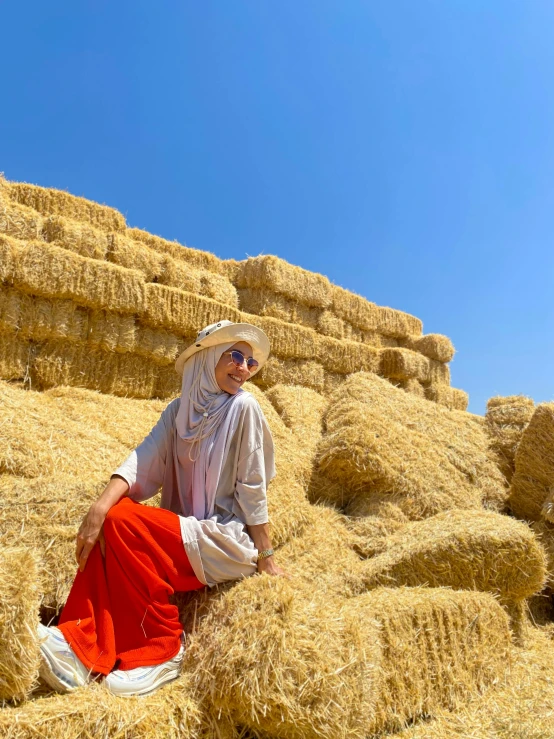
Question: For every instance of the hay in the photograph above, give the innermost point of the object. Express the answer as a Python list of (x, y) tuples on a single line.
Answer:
[(194, 257), (353, 308), (439, 648), (544, 531), (451, 397), (434, 346), (398, 324), (410, 386), (277, 276), (463, 550), (278, 659), (126, 375), (93, 712), (40, 318), (19, 221), (19, 603), (38, 437), (182, 312), (76, 236), (264, 303), (506, 420), (303, 372), (164, 269), (52, 202), (380, 439), (404, 364), (519, 707), (16, 357), (52, 272), (534, 465)]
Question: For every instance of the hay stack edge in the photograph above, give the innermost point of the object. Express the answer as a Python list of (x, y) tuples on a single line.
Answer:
[(420, 537)]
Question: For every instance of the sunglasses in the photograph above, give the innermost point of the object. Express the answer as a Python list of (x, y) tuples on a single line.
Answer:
[(238, 359)]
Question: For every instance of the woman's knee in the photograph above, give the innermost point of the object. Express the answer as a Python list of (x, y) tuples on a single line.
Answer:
[(122, 511)]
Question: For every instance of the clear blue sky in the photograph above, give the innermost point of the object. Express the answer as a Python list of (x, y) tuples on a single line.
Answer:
[(404, 148)]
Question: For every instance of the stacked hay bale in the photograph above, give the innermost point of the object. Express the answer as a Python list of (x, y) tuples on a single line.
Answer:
[(87, 301), (507, 418), (19, 604), (532, 489), (270, 287)]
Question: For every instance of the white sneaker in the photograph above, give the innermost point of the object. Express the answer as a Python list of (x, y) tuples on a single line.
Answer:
[(144, 680), (60, 667)]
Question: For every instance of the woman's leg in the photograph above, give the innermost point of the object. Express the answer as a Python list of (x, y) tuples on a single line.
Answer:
[(118, 609)]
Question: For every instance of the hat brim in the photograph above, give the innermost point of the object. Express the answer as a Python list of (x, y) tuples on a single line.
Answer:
[(226, 334)]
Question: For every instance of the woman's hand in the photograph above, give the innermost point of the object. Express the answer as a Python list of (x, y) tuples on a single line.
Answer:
[(267, 565), (89, 533)]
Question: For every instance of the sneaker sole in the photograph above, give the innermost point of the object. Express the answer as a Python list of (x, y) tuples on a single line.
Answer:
[(48, 673), (163, 679)]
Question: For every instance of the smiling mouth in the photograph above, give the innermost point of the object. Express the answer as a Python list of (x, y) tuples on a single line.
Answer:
[(236, 378)]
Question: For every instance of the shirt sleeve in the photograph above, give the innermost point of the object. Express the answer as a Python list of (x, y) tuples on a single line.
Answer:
[(144, 468), (255, 467)]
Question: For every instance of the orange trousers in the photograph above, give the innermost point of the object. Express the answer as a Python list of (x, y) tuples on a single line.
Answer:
[(118, 614)]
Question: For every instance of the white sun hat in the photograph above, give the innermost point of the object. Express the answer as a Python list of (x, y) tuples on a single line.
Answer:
[(225, 332)]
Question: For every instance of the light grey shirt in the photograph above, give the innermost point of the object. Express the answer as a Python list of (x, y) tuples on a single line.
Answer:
[(219, 548)]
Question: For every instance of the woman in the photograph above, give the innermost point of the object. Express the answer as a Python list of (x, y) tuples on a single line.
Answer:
[(211, 452)]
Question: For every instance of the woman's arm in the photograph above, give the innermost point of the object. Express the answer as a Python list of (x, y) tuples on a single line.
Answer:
[(260, 536), (91, 528)]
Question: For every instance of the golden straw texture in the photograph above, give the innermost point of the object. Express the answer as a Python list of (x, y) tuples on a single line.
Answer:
[(82, 238), (19, 604), (52, 202), (507, 418), (463, 550), (534, 465), (194, 257), (434, 346), (309, 669), (380, 439), (404, 364), (450, 397)]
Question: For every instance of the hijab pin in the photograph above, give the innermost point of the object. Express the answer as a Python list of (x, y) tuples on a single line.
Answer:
[(205, 415)]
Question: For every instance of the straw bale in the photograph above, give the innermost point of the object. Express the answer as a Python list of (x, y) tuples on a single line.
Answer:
[(510, 400), (163, 347), (404, 364), (79, 365), (76, 236), (289, 510), (392, 322), (451, 397), (380, 439), (93, 712), (434, 346), (534, 465), (268, 272), (410, 386), (168, 383), (37, 437), (353, 308), (370, 535), (111, 331), (194, 257), (323, 553), (201, 281), (506, 420), (307, 669), (301, 410), (19, 221), (10, 250), (16, 357), (133, 255), (40, 318), (332, 382), (463, 550), (439, 649), (230, 268), (303, 372), (182, 312), (544, 531), (19, 604), (51, 202), (265, 303), (331, 325), (52, 272)]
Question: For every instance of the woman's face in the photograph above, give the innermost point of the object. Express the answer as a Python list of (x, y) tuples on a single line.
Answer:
[(229, 377)]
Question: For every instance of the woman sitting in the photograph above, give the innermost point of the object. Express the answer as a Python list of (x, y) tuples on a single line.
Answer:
[(212, 454)]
